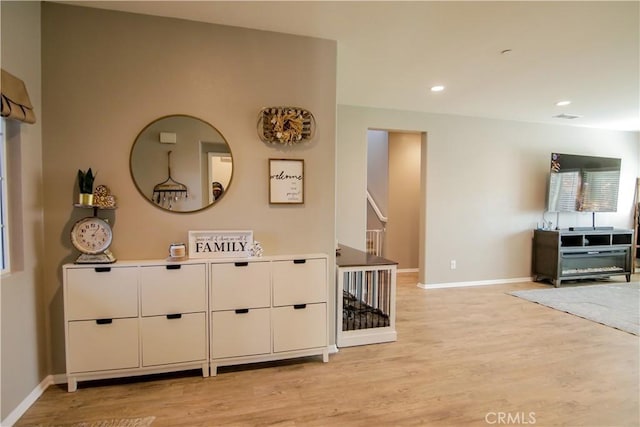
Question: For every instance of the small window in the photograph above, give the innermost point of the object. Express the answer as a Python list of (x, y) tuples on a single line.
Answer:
[(3, 197)]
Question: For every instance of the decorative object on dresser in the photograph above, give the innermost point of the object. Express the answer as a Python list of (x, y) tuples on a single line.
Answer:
[(85, 185), (581, 253), (286, 125), (144, 317), (102, 197), (286, 181), (256, 249), (177, 251), (92, 236), (366, 298), (220, 244)]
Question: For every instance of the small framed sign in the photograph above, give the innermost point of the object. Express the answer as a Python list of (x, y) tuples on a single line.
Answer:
[(220, 244), (286, 181)]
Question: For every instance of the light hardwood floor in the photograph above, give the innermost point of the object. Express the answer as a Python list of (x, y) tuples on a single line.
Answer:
[(464, 356)]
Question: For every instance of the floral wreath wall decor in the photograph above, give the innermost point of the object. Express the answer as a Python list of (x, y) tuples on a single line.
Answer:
[(286, 125)]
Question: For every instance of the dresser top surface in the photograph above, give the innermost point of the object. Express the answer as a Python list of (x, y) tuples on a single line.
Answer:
[(188, 261)]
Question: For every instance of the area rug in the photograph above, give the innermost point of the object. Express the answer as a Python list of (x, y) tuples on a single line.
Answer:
[(119, 422), (615, 305)]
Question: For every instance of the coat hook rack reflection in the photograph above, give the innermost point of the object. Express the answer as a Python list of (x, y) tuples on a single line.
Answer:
[(169, 192)]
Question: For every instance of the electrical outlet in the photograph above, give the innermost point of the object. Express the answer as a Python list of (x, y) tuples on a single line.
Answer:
[(452, 264)]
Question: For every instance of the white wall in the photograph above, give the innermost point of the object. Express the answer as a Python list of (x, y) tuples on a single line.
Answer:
[(23, 357), (485, 186)]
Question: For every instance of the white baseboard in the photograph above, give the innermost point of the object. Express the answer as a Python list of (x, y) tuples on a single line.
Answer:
[(59, 378), (29, 400), (473, 283), (333, 349), (367, 336)]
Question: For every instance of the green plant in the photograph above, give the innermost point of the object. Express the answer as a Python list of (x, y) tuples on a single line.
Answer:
[(85, 181)]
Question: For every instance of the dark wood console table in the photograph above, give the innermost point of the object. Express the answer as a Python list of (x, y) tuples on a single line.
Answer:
[(560, 255)]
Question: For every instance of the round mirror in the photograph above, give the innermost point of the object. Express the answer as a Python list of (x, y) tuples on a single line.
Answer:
[(181, 163)]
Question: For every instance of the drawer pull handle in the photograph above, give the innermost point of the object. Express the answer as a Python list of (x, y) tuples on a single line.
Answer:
[(299, 261), (241, 264), (104, 321), (174, 267), (102, 269), (174, 316), (242, 311), (299, 306)]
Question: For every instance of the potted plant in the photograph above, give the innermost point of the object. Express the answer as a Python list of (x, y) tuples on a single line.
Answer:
[(85, 183)]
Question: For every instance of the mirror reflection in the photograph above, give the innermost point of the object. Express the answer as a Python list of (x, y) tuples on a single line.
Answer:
[(181, 163)]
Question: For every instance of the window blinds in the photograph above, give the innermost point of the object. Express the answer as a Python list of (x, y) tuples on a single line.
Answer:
[(565, 187), (600, 190)]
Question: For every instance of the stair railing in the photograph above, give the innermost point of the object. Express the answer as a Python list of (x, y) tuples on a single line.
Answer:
[(375, 237), (383, 219)]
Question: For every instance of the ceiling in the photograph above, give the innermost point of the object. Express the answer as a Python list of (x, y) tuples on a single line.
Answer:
[(391, 52)]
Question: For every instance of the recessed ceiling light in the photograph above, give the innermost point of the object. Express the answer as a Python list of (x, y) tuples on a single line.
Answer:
[(563, 103), (438, 88)]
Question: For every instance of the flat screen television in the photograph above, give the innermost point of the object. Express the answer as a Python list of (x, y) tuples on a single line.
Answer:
[(583, 183)]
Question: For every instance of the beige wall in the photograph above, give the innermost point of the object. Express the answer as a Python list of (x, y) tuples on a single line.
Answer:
[(106, 75), (23, 356), (485, 184), (402, 235)]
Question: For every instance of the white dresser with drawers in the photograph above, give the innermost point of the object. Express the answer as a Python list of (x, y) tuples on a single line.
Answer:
[(265, 310), (135, 318)]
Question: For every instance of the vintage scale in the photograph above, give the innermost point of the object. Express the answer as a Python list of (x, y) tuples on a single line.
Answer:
[(92, 236)]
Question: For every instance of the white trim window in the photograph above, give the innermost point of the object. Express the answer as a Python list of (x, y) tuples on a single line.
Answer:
[(3, 196)]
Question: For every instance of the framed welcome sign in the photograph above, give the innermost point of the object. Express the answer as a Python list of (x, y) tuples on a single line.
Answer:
[(286, 181)]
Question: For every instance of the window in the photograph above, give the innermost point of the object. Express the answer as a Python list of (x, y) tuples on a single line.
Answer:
[(3, 198), (600, 189), (564, 190)]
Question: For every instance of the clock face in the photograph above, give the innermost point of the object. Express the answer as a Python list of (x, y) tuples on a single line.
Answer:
[(91, 235)]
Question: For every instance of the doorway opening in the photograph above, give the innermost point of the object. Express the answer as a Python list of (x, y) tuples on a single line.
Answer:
[(395, 196), (219, 169)]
